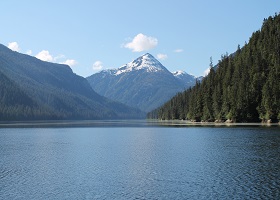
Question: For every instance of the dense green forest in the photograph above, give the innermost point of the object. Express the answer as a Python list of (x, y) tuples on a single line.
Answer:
[(244, 87), (31, 89), (17, 105)]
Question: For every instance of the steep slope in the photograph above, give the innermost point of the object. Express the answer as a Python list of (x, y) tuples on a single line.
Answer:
[(56, 89), (14, 102), (143, 83), (244, 87), (187, 79)]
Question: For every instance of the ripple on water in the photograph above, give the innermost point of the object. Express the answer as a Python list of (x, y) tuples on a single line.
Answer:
[(140, 163)]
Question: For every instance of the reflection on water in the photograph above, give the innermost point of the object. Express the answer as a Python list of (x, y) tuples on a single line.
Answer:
[(140, 162)]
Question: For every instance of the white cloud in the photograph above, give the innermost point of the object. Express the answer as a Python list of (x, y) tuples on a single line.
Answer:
[(178, 50), (206, 72), (59, 57), (29, 52), (98, 65), (45, 56), (161, 56), (70, 62), (142, 42), (13, 46)]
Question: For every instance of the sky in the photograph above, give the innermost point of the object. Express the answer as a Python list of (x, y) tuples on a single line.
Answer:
[(92, 35)]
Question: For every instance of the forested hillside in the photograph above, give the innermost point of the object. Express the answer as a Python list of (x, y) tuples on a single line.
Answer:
[(245, 87), (31, 89), (16, 104)]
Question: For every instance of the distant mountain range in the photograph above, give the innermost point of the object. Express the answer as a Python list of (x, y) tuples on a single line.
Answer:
[(143, 83), (34, 89)]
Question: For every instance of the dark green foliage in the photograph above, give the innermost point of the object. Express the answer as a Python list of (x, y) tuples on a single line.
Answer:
[(245, 87)]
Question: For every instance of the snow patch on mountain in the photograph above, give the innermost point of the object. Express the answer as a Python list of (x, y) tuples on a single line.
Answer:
[(187, 79), (179, 73), (146, 62)]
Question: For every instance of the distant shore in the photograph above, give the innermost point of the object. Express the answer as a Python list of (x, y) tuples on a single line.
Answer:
[(190, 123), (122, 123)]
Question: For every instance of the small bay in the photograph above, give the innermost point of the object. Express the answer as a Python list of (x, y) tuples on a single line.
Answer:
[(136, 160)]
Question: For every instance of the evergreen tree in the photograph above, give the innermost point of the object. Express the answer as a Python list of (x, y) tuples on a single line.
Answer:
[(243, 87)]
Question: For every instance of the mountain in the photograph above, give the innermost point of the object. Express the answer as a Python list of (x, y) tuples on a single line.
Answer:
[(187, 79), (13, 101), (143, 83), (244, 87), (34, 89)]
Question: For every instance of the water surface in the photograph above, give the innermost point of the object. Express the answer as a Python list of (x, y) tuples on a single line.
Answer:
[(140, 162)]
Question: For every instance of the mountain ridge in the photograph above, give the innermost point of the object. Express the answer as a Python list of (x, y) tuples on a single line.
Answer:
[(187, 79), (143, 83), (56, 90)]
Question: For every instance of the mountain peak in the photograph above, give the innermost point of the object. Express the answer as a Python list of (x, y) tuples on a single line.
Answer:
[(143, 83), (179, 72), (148, 54), (145, 62)]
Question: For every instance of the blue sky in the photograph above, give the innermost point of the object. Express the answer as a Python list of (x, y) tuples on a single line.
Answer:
[(93, 35)]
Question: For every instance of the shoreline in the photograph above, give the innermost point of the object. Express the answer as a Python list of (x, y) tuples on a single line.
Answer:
[(190, 123), (124, 123)]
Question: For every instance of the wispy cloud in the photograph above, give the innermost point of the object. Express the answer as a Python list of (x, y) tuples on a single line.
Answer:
[(70, 62), (142, 42), (13, 46), (29, 52), (59, 57), (161, 56), (44, 56), (178, 50), (98, 65)]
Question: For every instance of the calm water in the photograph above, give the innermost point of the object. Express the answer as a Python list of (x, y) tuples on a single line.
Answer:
[(145, 162)]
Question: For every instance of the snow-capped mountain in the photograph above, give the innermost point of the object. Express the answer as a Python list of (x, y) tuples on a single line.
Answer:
[(187, 79), (146, 62), (143, 83), (179, 73)]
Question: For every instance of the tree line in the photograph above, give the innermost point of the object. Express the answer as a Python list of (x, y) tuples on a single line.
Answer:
[(243, 87)]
